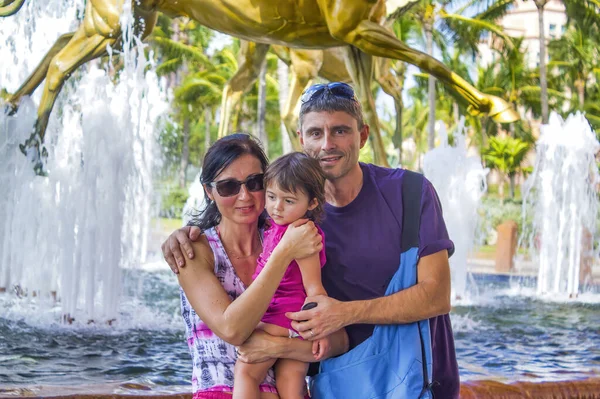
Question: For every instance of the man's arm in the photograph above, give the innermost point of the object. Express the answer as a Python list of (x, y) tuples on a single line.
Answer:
[(262, 346), (428, 298), (177, 243)]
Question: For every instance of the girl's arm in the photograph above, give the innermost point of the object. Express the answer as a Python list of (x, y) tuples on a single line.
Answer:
[(311, 275), (234, 321), (311, 278)]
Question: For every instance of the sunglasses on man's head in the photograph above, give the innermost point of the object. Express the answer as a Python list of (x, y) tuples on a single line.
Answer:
[(337, 89), (229, 187)]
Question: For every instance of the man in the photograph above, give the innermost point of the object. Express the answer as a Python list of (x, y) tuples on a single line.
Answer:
[(362, 245)]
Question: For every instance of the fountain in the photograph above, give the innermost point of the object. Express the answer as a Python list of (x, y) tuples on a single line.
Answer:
[(81, 231), (195, 201), (562, 195), (460, 182), (68, 235)]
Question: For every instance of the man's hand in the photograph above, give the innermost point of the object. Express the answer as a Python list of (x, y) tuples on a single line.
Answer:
[(328, 316), (178, 242), (259, 347)]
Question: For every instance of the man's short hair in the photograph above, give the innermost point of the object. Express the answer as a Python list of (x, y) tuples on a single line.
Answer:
[(328, 102)]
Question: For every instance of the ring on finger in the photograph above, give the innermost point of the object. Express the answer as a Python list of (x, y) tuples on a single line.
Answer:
[(312, 333)]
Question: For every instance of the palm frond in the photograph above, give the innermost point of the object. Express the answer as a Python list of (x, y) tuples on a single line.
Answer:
[(468, 31), (177, 49), (495, 11), (168, 66)]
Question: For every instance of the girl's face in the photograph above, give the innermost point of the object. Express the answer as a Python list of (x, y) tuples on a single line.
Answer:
[(245, 206), (286, 207)]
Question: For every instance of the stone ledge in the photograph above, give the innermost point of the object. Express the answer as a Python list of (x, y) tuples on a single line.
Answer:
[(481, 389)]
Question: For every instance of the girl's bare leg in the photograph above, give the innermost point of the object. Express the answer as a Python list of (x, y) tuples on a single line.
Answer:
[(290, 378), (268, 395), (247, 377)]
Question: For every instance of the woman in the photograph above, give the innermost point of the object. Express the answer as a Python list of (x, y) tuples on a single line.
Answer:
[(222, 269)]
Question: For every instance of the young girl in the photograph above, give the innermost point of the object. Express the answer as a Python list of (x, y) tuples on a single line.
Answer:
[(294, 190)]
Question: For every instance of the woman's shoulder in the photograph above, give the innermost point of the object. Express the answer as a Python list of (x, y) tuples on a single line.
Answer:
[(203, 253)]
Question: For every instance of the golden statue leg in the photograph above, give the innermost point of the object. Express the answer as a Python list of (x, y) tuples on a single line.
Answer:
[(39, 73), (386, 78), (10, 7), (289, 114), (80, 49), (251, 55), (390, 84), (360, 68), (305, 65), (349, 26)]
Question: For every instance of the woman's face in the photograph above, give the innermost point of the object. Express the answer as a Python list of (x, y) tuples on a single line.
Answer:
[(246, 206)]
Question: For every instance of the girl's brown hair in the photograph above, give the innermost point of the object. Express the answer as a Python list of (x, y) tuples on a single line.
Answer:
[(297, 171)]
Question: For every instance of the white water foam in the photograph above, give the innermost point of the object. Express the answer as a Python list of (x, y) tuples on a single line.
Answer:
[(561, 194), (73, 231), (460, 182)]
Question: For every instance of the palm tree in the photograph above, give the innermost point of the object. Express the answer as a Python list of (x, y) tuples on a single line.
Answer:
[(510, 78), (180, 46), (405, 29), (262, 103), (283, 79), (576, 56), (415, 126), (463, 30), (540, 4), (506, 154)]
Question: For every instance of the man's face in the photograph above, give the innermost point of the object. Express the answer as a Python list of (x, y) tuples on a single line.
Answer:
[(334, 139)]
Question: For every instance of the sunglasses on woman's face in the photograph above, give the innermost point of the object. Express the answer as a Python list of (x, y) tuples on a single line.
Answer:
[(337, 89), (230, 187)]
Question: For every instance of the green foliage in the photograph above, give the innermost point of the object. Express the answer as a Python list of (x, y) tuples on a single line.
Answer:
[(506, 154), (574, 62), (172, 204), (494, 211), (196, 79)]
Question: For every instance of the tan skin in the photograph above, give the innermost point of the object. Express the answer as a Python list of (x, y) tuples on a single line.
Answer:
[(335, 139), (234, 321)]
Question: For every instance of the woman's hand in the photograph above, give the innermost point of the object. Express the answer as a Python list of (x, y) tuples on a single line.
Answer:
[(301, 240)]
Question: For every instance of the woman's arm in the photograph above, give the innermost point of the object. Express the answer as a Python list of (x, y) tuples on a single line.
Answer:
[(234, 321), (261, 347)]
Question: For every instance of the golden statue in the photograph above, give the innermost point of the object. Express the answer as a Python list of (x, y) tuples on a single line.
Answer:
[(310, 24)]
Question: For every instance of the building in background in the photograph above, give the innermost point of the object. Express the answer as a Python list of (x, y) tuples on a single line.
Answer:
[(522, 21)]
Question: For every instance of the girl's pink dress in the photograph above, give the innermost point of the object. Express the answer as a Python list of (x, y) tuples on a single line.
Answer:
[(290, 294)]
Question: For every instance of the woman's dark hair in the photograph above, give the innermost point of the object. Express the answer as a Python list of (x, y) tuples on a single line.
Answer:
[(218, 157), (298, 172)]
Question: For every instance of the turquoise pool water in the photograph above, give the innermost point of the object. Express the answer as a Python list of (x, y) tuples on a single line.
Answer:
[(504, 333)]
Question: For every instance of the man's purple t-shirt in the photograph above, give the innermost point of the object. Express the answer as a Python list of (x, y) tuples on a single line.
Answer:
[(363, 252)]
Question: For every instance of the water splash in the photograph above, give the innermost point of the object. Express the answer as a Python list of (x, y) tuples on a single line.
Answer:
[(73, 231), (460, 183), (195, 201), (561, 196), (30, 33)]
